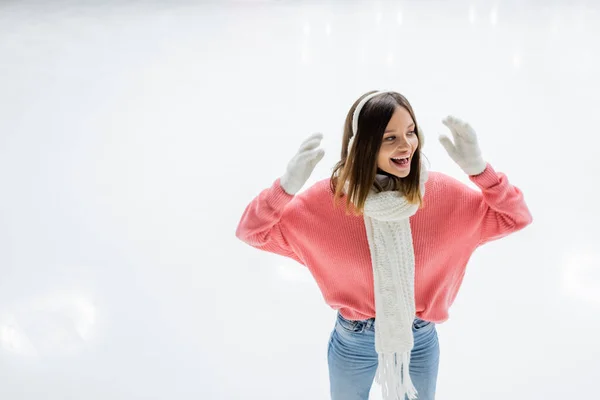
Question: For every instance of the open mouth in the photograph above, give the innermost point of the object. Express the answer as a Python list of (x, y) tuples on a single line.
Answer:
[(401, 162)]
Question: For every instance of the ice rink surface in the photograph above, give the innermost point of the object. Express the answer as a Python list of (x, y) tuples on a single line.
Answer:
[(133, 134)]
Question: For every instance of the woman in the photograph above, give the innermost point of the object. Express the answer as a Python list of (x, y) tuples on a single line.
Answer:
[(386, 241)]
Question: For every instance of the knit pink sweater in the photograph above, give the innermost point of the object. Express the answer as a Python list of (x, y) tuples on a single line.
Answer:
[(453, 222)]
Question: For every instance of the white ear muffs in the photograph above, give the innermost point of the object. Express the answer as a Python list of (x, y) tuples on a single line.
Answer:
[(421, 135), (356, 114)]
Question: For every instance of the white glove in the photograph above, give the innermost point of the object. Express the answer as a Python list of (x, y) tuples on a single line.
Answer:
[(302, 164), (465, 149)]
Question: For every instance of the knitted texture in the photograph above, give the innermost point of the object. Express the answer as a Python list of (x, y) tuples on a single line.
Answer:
[(393, 273), (454, 220), (392, 257)]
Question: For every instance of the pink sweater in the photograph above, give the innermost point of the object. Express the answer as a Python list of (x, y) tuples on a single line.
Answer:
[(453, 222)]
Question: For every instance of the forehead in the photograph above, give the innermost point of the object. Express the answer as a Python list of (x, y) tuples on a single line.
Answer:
[(400, 119)]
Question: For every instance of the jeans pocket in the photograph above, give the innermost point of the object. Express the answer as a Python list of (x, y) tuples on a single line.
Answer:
[(419, 324), (347, 325)]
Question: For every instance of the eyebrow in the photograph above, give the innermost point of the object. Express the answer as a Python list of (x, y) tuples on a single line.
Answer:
[(411, 125)]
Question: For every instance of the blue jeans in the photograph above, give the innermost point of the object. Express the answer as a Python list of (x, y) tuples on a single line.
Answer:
[(353, 360)]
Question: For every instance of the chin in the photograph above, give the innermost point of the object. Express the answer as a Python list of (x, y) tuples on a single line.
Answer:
[(397, 174), (401, 175)]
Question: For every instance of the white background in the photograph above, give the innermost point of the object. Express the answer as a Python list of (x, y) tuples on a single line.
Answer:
[(133, 134)]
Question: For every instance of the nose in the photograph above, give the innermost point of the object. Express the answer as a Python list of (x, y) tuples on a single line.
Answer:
[(403, 145), (403, 141)]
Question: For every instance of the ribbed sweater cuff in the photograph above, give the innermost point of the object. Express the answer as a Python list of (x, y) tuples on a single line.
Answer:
[(277, 197), (486, 179)]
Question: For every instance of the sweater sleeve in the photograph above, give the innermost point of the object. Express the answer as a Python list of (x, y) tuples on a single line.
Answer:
[(502, 206), (261, 225)]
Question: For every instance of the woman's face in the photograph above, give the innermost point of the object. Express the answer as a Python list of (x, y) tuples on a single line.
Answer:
[(399, 144)]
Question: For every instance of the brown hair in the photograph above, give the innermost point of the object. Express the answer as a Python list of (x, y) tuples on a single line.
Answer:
[(354, 175)]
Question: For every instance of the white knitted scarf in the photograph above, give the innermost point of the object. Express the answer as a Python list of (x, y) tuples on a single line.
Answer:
[(386, 217)]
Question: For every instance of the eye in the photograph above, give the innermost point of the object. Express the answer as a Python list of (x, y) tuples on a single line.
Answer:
[(411, 133), (390, 137)]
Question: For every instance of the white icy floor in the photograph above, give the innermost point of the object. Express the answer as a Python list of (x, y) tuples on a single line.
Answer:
[(133, 134)]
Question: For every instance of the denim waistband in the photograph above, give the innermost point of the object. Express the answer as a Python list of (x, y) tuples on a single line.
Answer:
[(369, 324)]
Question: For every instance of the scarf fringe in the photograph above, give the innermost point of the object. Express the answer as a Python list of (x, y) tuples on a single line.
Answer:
[(394, 377)]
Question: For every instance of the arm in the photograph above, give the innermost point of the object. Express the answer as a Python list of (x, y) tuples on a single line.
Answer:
[(262, 221), (260, 225), (503, 206)]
